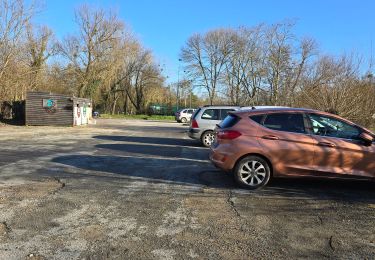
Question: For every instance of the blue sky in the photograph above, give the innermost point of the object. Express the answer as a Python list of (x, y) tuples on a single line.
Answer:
[(164, 25)]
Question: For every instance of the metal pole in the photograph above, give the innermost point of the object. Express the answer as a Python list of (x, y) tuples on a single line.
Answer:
[(178, 85), (190, 98)]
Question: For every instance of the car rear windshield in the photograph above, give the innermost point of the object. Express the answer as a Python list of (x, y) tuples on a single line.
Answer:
[(229, 121), (196, 113)]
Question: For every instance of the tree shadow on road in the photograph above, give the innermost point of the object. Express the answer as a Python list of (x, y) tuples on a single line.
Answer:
[(166, 170), (190, 173), (144, 128), (152, 140), (176, 152), (338, 189), (180, 161)]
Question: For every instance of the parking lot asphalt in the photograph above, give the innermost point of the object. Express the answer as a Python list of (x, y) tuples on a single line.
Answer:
[(124, 189)]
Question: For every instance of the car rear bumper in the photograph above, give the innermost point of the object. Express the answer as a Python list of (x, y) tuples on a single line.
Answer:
[(222, 159), (194, 133)]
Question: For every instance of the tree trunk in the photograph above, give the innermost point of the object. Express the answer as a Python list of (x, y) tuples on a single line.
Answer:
[(113, 110), (125, 103)]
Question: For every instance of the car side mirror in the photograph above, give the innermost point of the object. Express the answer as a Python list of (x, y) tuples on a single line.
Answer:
[(367, 138)]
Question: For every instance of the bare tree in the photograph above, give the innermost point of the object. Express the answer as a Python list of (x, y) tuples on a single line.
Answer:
[(279, 52), (90, 52), (205, 57), (334, 84), (141, 75), (39, 48), (136, 75), (244, 69), (297, 68), (14, 18), (262, 64)]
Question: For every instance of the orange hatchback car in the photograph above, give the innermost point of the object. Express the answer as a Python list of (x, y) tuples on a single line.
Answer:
[(279, 142)]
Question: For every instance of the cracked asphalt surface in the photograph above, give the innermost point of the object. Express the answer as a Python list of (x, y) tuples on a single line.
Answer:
[(126, 189)]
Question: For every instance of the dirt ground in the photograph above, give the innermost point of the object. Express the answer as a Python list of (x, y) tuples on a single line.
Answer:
[(124, 189)]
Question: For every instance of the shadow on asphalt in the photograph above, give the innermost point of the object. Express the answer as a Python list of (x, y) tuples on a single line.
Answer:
[(156, 170), (338, 189), (145, 128), (154, 150), (152, 140), (190, 173), (184, 165)]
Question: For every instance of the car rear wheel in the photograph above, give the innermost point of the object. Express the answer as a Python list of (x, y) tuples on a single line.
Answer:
[(252, 172), (208, 138), (183, 120)]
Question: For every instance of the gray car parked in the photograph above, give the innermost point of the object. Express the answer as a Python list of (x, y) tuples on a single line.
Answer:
[(204, 120)]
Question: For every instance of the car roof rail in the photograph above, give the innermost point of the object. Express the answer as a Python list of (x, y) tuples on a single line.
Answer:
[(260, 107), (249, 107), (221, 106)]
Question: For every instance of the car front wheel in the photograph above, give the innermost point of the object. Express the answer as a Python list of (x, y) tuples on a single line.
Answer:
[(252, 172), (208, 138)]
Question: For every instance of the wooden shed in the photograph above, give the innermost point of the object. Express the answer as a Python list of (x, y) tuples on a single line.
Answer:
[(43, 108)]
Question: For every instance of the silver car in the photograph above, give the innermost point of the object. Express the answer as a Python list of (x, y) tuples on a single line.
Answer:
[(205, 119), (184, 115)]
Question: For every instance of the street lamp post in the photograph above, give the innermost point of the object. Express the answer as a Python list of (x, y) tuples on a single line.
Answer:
[(178, 85), (191, 93), (191, 88), (190, 98)]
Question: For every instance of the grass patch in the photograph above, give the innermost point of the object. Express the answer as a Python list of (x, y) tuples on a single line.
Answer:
[(144, 117)]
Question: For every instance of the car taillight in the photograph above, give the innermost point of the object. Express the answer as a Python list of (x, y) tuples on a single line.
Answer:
[(228, 134), (194, 124)]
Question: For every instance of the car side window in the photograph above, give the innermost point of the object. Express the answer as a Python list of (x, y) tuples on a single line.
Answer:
[(224, 113), (190, 111), (257, 118), (211, 114), (285, 122), (332, 127), (184, 111)]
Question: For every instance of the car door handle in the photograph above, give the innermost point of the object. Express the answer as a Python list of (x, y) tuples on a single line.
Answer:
[(270, 137), (326, 144)]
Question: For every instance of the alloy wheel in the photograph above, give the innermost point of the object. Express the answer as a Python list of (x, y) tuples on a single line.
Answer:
[(208, 138), (252, 172)]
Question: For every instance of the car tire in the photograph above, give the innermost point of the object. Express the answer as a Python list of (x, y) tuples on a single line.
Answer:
[(252, 172), (183, 120), (208, 138)]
